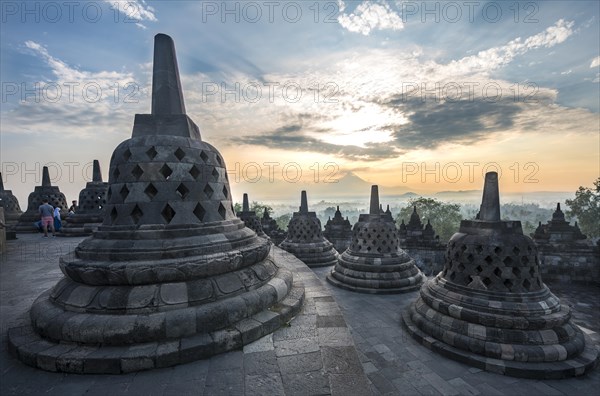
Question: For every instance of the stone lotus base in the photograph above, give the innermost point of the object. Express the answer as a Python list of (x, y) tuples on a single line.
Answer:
[(580, 365), (360, 274), (527, 335), (111, 329), (317, 254), (76, 226)]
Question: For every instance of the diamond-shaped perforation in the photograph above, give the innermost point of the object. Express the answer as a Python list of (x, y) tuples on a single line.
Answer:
[(180, 154), (182, 191), (215, 174), (151, 191), (116, 174), (208, 191), (488, 259), (516, 250), (151, 153), (124, 192), (526, 284), (219, 160), (137, 172), (109, 193), (127, 155), (113, 215), (203, 156), (498, 272), (508, 284), (516, 271), (498, 250), (222, 211), (168, 213), (136, 214), (507, 261), (166, 171), (194, 172), (199, 212), (225, 192)]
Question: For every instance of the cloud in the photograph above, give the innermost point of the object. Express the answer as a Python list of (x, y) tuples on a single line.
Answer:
[(75, 102), (374, 118), (369, 16), (595, 62), (134, 10), (496, 57)]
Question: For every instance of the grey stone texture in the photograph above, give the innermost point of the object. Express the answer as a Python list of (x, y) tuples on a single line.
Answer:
[(421, 243), (271, 228), (45, 191), (305, 239), (90, 210), (374, 262), (249, 218), (256, 368), (12, 210), (171, 275), (338, 231), (489, 307), (566, 254)]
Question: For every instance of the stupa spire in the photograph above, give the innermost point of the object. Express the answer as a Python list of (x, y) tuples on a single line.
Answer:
[(96, 174), (45, 177), (490, 203), (303, 202), (374, 207), (245, 206), (167, 95)]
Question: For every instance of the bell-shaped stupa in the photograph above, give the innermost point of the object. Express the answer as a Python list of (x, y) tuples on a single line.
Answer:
[(172, 275), (45, 191), (271, 228), (12, 210), (249, 217), (374, 263), (305, 239), (489, 307), (90, 213), (338, 231)]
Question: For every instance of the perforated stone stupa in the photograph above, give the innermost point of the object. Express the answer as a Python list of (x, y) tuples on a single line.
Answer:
[(271, 228), (489, 307), (338, 231), (45, 191), (566, 254), (12, 210), (90, 213), (422, 244), (374, 263), (172, 275), (249, 217), (305, 239)]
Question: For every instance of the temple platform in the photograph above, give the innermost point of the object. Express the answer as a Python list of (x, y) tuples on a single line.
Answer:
[(341, 343)]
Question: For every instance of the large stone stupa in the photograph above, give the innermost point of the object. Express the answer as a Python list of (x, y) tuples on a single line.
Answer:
[(249, 217), (374, 263), (90, 213), (171, 275), (489, 307), (45, 191), (305, 239), (338, 231), (12, 210)]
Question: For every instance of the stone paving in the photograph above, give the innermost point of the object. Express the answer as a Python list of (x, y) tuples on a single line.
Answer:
[(315, 354), (397, 365)]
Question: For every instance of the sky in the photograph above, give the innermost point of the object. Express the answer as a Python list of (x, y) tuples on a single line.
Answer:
[(419, 96)]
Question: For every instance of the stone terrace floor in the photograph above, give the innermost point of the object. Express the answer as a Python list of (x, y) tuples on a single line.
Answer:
[(314, 355)]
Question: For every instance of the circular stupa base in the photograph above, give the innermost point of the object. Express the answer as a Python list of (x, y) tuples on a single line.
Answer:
[(78, 230), (36, 351), (375, 289), (580, 365)]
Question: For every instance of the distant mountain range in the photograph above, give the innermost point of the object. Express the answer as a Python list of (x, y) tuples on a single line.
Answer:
[(353, 187)]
